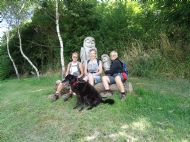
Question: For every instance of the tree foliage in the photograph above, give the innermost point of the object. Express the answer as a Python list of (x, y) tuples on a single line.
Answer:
[(153, 36)]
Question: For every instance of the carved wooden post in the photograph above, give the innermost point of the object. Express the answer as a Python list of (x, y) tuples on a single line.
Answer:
[(99, 87)]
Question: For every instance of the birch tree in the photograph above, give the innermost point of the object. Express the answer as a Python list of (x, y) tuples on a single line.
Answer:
[(10, 57), (25, 57), (20, 41), (9, 21), (17, 12), (60, 41)]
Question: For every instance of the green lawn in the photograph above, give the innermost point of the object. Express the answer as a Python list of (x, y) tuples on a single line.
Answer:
[(157, 110)]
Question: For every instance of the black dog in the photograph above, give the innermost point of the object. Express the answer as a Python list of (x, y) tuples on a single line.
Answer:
[(86, 93)]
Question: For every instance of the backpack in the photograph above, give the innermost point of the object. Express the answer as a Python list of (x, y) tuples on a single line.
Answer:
[(125, 70), (97, 62)]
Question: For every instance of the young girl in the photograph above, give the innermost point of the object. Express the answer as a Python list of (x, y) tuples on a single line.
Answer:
[(74, 68)]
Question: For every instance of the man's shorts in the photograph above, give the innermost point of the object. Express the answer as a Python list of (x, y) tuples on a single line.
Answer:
[(112, 78)]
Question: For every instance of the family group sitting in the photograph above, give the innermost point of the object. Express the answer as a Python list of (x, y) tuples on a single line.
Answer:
[(91, 69)]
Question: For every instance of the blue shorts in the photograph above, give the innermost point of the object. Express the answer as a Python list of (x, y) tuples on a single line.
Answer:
[(112, 78), (97, 79)]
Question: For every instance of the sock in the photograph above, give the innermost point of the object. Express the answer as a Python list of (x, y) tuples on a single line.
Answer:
[(122, 93)]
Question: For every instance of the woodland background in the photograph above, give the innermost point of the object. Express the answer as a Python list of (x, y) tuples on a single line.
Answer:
[(153, 37)]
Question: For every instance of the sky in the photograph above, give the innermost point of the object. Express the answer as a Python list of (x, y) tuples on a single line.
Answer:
[(2, 28), (3, 23)]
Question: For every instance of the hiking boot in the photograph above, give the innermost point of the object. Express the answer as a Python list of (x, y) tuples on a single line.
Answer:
[(55, 96), (122, 96), (67, 96)]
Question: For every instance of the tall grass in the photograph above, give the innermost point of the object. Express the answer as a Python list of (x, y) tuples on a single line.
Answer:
[(160, 58)]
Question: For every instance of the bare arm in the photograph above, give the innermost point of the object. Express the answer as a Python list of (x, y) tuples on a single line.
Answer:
[(85, 69), (81, 70), (99, 69), (68, 68)]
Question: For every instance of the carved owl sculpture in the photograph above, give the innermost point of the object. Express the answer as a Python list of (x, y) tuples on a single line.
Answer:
[(106, 62)]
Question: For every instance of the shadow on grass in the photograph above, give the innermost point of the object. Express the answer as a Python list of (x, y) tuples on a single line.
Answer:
[(146, 116)]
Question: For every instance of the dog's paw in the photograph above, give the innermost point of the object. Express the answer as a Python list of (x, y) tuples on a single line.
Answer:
[(89, 108), (81, 109), (75, 107)]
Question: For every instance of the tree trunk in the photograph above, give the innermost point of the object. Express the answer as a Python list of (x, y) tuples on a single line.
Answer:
[(60, 41), (100, 88), (8, 51), (20, 43)]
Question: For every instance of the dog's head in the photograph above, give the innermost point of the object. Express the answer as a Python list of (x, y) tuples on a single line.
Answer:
[(70, 79)]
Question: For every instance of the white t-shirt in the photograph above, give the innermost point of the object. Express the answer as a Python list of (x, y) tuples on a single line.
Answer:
[(74, 68)]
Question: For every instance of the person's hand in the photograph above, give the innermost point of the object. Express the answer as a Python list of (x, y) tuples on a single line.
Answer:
[(107, 72), (79, 76), (64, 84), (94, 74)]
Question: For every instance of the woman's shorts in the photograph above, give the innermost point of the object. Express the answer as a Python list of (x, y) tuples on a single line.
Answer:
[(97, 79), (112, 78)]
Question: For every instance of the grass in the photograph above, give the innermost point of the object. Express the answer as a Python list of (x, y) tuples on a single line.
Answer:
[(157, 110)]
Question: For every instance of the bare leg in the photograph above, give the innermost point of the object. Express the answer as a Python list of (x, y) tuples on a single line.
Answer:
[(91, 79), (119, 84), (105, 81), (59, 88), (57, 94)]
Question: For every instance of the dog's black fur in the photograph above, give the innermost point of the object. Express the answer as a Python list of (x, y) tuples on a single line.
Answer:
[(86, 93)]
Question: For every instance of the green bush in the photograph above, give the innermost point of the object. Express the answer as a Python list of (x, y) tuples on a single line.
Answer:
[(5, 65)]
